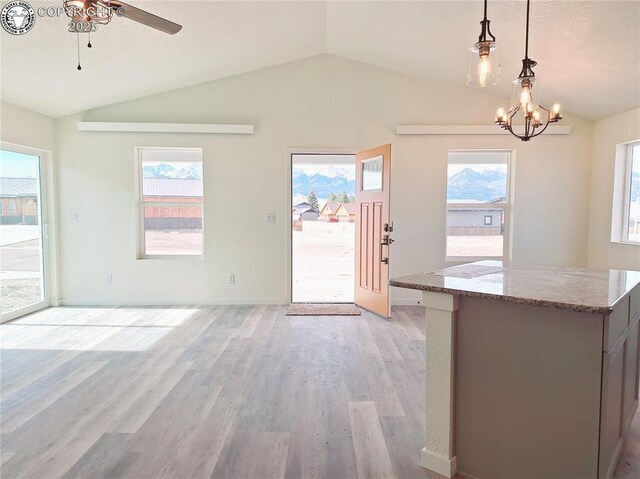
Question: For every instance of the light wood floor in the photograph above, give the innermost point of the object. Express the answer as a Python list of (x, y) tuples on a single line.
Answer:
[(225, 392)]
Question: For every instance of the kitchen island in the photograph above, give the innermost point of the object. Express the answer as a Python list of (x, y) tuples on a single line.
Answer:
[(531, 371)]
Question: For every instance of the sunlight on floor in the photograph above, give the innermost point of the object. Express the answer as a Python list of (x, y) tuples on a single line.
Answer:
[(92, 329)]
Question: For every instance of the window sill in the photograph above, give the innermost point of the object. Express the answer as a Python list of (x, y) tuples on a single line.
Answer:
[(471, 259), (172, 257), (632, 243)]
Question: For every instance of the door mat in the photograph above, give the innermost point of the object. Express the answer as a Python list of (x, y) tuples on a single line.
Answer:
[(314, 309)]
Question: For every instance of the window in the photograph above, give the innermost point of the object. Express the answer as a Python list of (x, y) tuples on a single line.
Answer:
[(478, 205), (170, 202), (626, 206), (372, 174)]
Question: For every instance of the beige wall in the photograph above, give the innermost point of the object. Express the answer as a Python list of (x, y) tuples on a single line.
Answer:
[(324, 102), (606, 135), (26, 128)]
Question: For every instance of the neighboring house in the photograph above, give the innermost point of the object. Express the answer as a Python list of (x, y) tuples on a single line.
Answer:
[(304, 212), (329, 210), (481, 220), (172, 190), (18, 201), (346, 212)]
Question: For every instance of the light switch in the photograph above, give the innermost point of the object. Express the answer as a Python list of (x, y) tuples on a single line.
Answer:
[(73, 217), (270, 218)]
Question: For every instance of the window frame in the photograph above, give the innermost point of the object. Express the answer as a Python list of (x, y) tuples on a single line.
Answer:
[(506, 206), (140, 204), (627, 183)]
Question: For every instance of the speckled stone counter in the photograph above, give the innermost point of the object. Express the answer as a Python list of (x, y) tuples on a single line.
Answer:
[(585, 290), (532, 372)]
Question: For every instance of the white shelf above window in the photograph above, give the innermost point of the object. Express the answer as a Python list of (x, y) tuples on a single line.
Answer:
[(211, 128), (470, 130)]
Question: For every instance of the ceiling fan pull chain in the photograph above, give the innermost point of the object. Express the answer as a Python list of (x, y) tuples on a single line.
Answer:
[(78, 38), (89, 44)]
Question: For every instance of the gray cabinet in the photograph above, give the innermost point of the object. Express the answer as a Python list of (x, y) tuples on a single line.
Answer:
[(631, 366), (620, 368), (611, 413)]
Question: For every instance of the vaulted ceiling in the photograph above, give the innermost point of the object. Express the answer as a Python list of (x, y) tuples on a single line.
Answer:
[(588, 52)]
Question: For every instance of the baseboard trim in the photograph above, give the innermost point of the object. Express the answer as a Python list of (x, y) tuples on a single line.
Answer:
[(441, 465), (192, 302), (168, 302)]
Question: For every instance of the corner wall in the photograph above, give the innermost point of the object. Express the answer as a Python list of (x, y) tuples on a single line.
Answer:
[(27, 128), (608, 133), (323, 102)]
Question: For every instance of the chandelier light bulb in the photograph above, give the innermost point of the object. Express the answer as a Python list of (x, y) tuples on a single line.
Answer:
[(536, 117), (525, 97), (556, 112), (501, 115)]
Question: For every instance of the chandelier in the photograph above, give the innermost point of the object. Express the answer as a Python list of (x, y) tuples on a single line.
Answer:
[(483, 58), (523, 102)]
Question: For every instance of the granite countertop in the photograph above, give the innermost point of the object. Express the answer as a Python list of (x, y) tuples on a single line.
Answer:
[(577, 289)]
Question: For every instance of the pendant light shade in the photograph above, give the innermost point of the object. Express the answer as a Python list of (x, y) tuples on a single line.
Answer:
[(525, 93), (483, 64), (483, 57)]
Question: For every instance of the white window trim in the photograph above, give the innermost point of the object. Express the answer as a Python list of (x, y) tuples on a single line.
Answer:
[(621, 194), (140, 246), (47, 261), (507, 206)]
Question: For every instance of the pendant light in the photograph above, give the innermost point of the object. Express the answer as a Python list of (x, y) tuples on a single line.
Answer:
[(483, 58), (523, 101)]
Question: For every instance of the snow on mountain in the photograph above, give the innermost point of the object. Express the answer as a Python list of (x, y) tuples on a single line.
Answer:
[(189, 171), (322, 185), (469, 184)]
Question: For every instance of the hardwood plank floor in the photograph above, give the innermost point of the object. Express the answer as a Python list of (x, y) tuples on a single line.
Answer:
[(223, 392)]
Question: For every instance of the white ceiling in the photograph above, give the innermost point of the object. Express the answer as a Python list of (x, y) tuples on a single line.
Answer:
[(588, 52)]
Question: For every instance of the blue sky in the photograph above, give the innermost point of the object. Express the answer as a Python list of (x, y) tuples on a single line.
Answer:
[(18, 165)]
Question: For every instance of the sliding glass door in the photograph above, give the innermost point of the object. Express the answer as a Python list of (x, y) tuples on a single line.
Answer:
[(22, 232)]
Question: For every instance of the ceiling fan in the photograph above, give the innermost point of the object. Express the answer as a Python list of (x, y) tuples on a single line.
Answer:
[(86, 15), (101, 12)]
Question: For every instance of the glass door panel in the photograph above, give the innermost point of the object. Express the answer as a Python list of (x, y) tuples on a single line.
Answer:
[(21, 233)]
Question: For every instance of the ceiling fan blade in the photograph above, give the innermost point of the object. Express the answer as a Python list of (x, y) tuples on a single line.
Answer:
[(146, 18)]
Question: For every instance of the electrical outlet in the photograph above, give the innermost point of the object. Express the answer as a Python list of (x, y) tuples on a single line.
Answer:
[(270, 218), (108, 278), (231, 278)]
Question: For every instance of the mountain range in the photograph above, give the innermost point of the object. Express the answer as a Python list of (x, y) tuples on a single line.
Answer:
[(188, 171), (467, 184), (470, 184), (322, 185)]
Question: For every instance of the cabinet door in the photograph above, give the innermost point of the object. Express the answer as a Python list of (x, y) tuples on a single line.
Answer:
[(611, 414), (631, 365)]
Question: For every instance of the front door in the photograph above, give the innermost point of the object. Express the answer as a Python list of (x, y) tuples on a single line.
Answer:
[(373, 229)]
